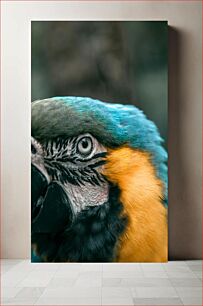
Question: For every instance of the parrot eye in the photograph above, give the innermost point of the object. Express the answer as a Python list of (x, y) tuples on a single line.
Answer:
[(85, 146)]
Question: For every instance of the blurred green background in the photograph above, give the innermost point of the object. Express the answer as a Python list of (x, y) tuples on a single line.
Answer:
[(123, 62)]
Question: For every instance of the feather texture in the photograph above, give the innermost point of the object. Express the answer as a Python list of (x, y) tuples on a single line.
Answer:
[(113, 125), (145, 238)]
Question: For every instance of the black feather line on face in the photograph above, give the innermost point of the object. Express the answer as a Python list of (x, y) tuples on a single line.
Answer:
[(75, 176), (102, 154), (92, 237), (68, 167)]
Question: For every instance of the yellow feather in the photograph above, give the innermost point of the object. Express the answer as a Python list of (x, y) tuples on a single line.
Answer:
[(146, 237)]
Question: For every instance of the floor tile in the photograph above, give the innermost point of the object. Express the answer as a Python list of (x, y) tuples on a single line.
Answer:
[(69, 301), (117, 301), (155, 274), (169, 283), (5, 268), (136, 282), (40, 274), (176, 268), (10, 261), (22, 301), (189, 291), (185, 282), (122, 267), (146, 282), (90, 274), (89, 279), (123, 274), (12, 281), (37, 279), (88, 282), (47, 267), (29, 292), (196, 268), (9, 292), (158, 301), (43, 282), (25, 265), (154, 292), (116, 292), (4, 301), (176, 263), (181, 274), (61, 282), (15, 275), (67, 274), (193, 301), (91, 267), (193, 262), (112, 282), (69, 267), (198, 274), (152, 267), (72, 292)]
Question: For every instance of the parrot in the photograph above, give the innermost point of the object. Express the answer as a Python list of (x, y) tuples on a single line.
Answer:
[(98, 183)]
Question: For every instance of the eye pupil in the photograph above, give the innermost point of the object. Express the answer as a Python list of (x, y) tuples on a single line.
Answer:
[(84, 143)]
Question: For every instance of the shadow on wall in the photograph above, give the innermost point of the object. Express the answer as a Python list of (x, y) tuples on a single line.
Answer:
[(184, 201)]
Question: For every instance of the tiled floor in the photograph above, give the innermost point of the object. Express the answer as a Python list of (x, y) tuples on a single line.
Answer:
[(173, 283)]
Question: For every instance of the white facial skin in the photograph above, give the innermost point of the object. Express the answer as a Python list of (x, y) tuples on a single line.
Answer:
[(76, 164)]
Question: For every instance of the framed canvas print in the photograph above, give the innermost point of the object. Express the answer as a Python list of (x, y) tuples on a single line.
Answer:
[(99, 141)]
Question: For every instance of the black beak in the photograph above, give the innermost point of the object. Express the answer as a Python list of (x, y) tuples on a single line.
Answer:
[(39, 187), (51, 208)]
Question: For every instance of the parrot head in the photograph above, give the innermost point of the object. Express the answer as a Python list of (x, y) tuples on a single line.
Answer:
[(93, 164)]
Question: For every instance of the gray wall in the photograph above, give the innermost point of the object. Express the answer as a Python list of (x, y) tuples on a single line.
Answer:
[(185, 165), (184, 113)]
